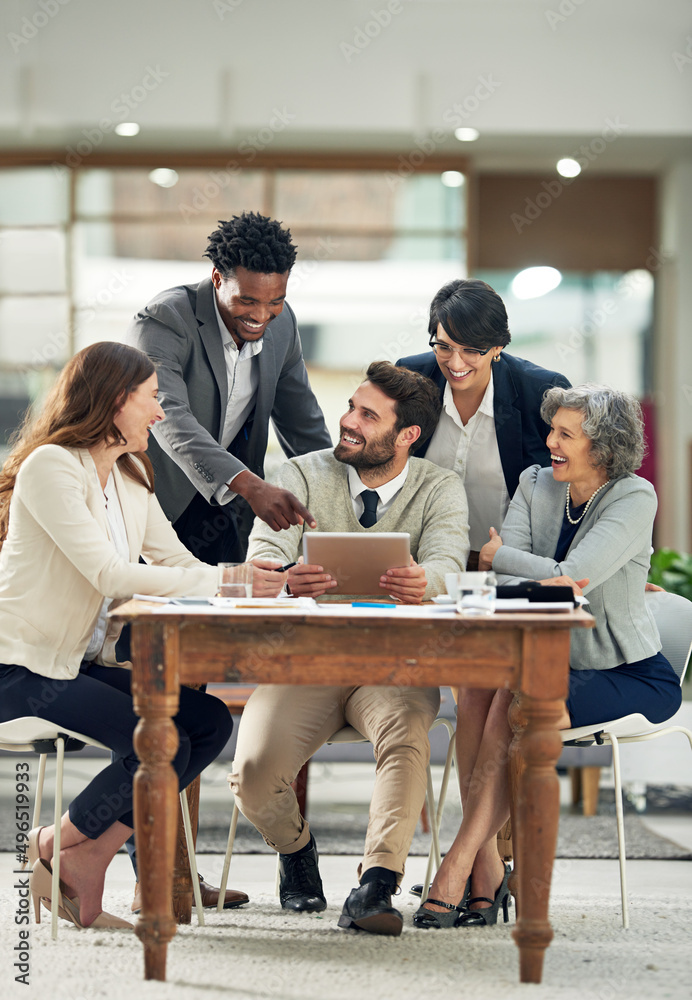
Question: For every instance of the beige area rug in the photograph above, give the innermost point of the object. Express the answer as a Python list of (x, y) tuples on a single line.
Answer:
[(261, 953)]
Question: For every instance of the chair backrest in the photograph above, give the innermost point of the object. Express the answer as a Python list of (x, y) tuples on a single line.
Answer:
[(673, 616)]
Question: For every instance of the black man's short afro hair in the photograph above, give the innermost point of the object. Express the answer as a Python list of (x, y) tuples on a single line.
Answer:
[(252, 241)]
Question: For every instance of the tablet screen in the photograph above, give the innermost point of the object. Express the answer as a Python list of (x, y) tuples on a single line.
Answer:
[(356, 560)]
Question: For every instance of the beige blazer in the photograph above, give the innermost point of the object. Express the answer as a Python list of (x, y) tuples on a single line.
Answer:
[(58, 561)]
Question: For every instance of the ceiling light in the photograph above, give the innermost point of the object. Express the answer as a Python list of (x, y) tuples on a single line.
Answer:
[(567, 167), (127, 128), (533, 282), (466, 134), (164, 177), (452, 178)]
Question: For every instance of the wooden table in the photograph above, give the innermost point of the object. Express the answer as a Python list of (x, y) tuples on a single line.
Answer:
[(526, 653)]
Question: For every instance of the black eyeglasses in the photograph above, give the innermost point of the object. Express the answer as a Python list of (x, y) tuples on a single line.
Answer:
[(445, 351)]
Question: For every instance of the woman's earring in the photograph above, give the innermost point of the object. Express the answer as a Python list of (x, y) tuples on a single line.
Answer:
[(497, 357)]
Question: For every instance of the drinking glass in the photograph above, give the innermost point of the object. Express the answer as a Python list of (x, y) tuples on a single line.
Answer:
[(235, 580), (476, 593)]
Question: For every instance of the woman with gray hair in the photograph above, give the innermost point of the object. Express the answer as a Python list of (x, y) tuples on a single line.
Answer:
[(585, 522)]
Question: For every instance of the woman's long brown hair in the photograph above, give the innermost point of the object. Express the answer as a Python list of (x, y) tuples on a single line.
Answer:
[(78, 413)]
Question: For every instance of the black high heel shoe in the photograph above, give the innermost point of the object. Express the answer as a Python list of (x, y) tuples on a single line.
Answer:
[(488, 915), (431, 920)]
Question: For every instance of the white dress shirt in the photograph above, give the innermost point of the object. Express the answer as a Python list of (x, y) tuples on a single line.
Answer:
[(243, 378), (116, 525), (386, 493), (472, 452)]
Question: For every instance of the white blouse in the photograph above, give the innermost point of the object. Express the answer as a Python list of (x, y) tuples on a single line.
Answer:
[(472, 452), (116, 524)]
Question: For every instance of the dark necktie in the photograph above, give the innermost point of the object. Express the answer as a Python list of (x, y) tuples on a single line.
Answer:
[(369, 515)]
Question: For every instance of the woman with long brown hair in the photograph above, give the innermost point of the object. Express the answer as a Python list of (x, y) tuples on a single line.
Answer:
[(77, 509)]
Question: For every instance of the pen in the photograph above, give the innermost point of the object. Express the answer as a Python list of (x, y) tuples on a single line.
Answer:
[(282, 569), (372, 604)]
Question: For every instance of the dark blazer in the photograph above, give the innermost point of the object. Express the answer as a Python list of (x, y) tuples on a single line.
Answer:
[(519, 387), (179, 331)]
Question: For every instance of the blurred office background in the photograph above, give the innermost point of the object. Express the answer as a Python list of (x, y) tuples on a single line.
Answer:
[(405, 142)]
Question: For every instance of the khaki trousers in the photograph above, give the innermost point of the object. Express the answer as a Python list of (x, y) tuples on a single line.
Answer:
[(282, 727)]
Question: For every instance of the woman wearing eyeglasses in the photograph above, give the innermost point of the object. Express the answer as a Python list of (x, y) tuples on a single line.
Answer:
[(490, 428)]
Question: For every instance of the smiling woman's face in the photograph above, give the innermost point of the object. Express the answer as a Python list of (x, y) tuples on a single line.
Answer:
[(570, 450), (138, 414), (465, 369)]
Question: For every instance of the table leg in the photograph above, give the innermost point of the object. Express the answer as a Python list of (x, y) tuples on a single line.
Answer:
[(538, 812), (155, 695)]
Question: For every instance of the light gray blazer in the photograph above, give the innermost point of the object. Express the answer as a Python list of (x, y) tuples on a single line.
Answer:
[(179, 331), (611, 548)]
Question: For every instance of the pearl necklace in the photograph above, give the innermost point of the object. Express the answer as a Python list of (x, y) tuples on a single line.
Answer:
[(588, 503)]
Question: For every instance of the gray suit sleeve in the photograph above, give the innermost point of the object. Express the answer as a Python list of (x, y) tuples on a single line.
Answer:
[(296, 414), (621, 531), (165, 338)]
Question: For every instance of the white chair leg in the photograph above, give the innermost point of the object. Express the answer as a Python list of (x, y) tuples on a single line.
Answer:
[(450, 759), (432, 814), (621, 829), (434, 858), (57, 816), (227, 858), (38, 798), (187, 826), (434, 855), (39, 790)]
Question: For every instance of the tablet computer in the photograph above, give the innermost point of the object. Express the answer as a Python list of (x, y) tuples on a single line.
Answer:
[(357, 560)]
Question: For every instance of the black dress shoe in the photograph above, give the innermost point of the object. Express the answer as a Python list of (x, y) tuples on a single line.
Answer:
[(300, 885), (369, 908), (209, 894)]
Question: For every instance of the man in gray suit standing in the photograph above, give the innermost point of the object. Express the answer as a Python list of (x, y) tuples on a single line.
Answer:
[(229, 360)]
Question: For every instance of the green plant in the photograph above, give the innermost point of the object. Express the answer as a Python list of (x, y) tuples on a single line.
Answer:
[(673, 571)]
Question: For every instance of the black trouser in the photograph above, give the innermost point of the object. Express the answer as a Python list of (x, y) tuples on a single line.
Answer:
[(215, 533), (98, 704)]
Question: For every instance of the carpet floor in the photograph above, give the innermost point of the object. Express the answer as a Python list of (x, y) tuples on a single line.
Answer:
[(262, 953)]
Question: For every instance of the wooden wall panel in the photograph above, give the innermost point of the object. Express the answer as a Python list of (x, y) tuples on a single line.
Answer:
[(588, 224)]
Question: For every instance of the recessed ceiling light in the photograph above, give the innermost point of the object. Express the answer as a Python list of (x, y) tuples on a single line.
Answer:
[(127, 128), (533, 282), (164, 177), (567, 167), (452, 178), (466, 134)]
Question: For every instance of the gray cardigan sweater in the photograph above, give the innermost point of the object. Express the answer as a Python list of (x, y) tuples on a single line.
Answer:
[(431, 507), (611, 547)]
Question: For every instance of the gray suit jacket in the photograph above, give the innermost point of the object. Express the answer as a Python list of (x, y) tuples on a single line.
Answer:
[(611, 548), (179, 331)]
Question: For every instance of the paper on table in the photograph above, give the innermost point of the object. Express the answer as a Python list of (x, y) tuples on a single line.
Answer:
[(229, 605)]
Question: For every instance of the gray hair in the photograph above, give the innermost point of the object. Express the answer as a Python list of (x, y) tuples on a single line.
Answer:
[(612, 422)]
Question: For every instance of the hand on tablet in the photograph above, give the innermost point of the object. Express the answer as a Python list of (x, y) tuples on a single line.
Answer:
[(407, 583), (309, 581)]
